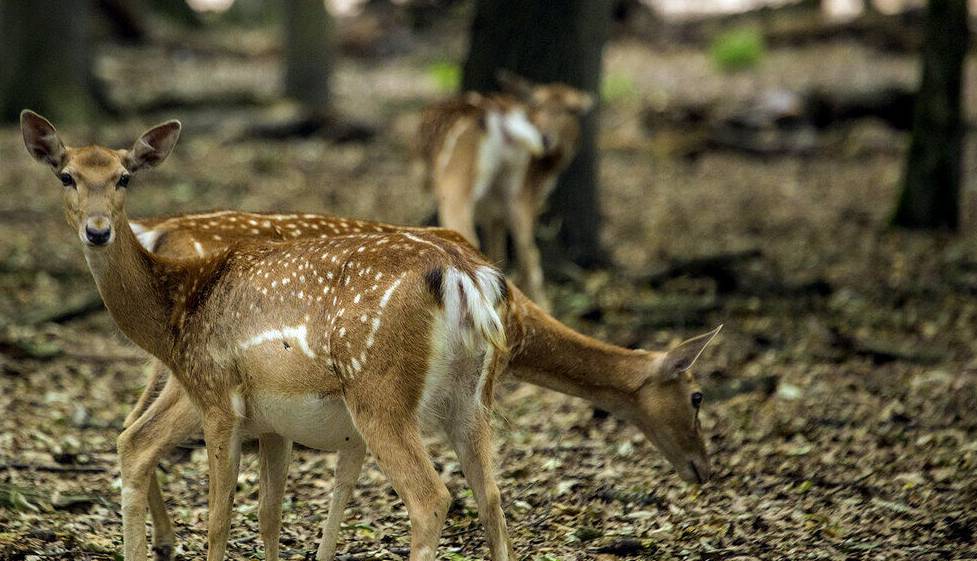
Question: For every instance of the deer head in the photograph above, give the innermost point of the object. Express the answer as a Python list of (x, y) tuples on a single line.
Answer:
[(555, 109), (95, 179), (666, 409)]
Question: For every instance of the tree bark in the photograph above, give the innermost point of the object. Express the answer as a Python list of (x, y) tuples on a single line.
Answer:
[(931, 185), (46, 62), (551, 41), (308, 54)]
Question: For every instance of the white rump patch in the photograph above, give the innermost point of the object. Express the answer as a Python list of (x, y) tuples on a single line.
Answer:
[(297, 333), (517, 125), (470, 307)]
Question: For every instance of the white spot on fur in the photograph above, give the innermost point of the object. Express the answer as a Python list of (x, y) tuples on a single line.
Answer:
[(297, 333), (420, 240), (390, 291)]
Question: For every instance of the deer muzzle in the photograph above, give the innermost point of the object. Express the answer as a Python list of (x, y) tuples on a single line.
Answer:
[(97, 230)]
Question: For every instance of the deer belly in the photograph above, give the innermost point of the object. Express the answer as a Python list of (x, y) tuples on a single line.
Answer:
[(317, 422)]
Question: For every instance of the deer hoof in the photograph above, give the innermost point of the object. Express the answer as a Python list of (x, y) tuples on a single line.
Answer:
[(163, 552)]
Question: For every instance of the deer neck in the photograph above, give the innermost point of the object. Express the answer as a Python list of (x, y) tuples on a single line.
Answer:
[(549, 354), (134, 286)]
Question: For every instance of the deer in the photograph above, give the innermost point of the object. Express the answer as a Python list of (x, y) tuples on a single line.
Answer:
[(655, 390), (494, 158), (367, 339)]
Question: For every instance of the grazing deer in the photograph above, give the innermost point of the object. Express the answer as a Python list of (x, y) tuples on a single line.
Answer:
[(656, 391), (366, 338), (494, 159)]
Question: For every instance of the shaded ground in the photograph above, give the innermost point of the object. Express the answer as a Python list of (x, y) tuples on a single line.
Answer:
[(858, 441)]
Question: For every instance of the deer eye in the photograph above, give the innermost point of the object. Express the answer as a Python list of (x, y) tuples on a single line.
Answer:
[(123, 180), (696, 399), (66, 179)]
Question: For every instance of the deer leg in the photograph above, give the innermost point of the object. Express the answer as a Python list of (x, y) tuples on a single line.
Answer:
[(274, 453), (456, 209), (495, 240), (223, 461), (402, 457), (166, 422), (472, 441), (348, 467), (158, 376), (522, 220), (164, 538)]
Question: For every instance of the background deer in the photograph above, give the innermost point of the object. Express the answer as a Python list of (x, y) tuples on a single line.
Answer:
[(544, 352), (364, 338), (494, 158)]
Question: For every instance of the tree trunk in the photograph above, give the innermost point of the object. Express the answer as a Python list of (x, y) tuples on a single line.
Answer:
[(177, 11), (308, 54), (931, 190), (551, 41), (46, 63)]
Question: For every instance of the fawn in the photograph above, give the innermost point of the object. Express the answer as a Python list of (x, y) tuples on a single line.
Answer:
[(654, 390), (495, 158), (362, 339)]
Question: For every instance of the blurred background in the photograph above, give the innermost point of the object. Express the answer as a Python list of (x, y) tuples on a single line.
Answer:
[(801, 171)]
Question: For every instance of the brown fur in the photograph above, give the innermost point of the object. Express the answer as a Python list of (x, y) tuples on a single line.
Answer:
[(637, 385), (366, 329), (542, 350), (437, 119), (452, 138)]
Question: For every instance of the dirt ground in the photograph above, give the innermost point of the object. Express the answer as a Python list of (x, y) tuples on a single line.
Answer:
[(841, 396)]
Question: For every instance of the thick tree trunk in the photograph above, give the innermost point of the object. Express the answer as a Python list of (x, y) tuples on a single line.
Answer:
[(550, 41), (308, 54), (931, 190), (46, 64), (177, 11), (125, 20)]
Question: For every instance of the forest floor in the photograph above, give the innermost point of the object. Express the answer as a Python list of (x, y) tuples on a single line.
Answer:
[(841, 404)]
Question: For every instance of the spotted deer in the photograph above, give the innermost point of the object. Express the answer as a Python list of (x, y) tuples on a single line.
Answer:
[(493, 159), (358, 340), (654, 390)]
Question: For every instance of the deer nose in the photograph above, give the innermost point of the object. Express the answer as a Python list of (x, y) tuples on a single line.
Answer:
[(98, 230)]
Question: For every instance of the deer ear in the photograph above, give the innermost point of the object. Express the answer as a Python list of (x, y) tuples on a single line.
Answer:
[(41, 139), (682, 357), (153, 146), (514, 83)]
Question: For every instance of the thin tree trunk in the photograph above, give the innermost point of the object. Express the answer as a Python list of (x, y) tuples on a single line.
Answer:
[(46, 64), (551, 41), (931, 190), (308, 54)]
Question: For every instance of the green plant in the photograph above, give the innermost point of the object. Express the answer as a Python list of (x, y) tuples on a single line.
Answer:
[(616, 87), (447, 75), (737, 49)]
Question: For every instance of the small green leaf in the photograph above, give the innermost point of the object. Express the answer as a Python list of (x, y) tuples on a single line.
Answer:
[(446, 75)]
